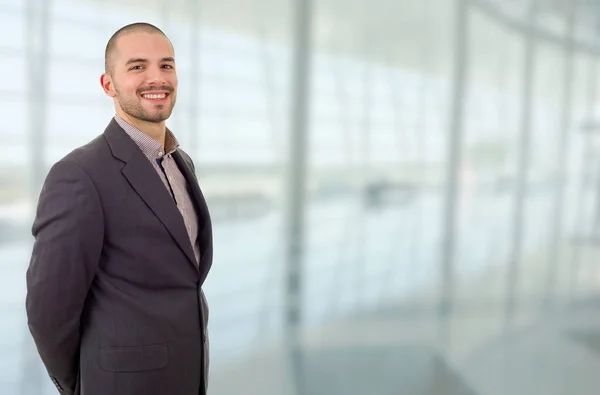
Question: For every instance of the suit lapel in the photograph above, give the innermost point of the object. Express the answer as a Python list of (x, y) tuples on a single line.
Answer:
[(204, 223), (143, 178), (192, 181)]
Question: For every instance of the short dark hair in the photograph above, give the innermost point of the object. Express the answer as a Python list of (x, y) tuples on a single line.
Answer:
[(131, 28)]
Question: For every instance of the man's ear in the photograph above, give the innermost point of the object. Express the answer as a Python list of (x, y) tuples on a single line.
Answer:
[(107, 85)]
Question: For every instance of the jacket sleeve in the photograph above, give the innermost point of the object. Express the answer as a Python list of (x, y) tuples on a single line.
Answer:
[(68, 231)]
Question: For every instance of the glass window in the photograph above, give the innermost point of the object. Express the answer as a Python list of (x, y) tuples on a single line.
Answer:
[(16, 68), (13, 20)]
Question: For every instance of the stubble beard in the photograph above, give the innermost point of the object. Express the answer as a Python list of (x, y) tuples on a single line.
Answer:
[(134, 108)]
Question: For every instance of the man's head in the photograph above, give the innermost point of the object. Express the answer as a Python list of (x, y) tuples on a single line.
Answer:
[(140, 73)]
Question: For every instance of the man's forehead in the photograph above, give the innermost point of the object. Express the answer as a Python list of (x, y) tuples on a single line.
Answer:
[(143, 45)]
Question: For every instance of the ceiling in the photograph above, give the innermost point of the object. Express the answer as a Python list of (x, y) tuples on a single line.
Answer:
[(411, 34), (388, 31)]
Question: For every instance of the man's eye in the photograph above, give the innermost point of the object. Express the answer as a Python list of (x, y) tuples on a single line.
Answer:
[(138, 67), (168, 66)]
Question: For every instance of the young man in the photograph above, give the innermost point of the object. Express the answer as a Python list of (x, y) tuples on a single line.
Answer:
[(123, 243)]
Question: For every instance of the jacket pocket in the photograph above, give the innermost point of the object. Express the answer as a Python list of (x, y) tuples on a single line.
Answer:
[(133, 359)]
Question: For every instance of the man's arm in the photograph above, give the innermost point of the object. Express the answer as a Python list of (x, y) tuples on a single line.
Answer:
[(68, 231)]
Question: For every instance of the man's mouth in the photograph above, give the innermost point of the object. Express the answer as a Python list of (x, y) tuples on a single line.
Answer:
[(155, 95)]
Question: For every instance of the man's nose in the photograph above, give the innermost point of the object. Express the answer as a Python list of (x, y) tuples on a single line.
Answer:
[(155, 76)]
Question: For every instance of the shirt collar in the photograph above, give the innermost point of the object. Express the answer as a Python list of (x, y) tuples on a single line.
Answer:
[(150, 147)]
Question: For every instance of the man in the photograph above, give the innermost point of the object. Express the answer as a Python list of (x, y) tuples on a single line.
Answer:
[(123, 243)]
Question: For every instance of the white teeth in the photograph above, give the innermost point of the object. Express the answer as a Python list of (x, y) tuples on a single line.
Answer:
[(161, 96)]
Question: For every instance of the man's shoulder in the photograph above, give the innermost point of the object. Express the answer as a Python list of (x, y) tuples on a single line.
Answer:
[(186, 157), (184, 154), (96, 152), (90, 155)]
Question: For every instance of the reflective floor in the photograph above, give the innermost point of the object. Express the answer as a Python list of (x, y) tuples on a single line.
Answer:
[(544, 348)]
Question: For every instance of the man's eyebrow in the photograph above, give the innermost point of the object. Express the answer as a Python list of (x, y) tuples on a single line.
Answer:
[(142, 60), (136, 60)]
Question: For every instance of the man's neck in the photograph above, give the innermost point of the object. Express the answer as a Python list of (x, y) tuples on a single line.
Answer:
[(157, 131)]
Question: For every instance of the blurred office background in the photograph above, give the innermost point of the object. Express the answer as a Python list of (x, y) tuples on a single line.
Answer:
[(405, 194)]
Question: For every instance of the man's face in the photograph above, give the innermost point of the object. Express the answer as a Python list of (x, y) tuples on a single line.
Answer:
[(143, 79)]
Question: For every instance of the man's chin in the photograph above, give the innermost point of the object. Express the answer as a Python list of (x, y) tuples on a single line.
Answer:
[(156, 118)]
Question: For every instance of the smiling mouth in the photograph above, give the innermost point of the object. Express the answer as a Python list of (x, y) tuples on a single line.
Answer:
[(155, 96)]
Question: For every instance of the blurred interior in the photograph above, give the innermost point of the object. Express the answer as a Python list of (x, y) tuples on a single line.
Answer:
[(405, 194)]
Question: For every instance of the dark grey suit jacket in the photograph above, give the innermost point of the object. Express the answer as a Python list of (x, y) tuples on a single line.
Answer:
[(114, 298)]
